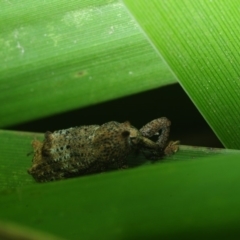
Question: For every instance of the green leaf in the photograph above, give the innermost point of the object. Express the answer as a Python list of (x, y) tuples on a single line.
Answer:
[(194, 193), (9, 230), (17, 154), (60, 55), (15, 148), (200, 42)]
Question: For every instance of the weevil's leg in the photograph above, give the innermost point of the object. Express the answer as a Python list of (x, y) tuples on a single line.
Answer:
[(150, 149), (153, 127), (154, 152), (171, 148)]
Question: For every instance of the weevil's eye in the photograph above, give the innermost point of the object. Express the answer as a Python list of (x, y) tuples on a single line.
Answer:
[(125, 134)]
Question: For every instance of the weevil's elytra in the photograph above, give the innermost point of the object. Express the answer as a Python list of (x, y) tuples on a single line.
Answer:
[(96, 148)]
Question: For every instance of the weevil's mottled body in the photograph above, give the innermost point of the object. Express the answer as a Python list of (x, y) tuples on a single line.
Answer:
[(90, 149)]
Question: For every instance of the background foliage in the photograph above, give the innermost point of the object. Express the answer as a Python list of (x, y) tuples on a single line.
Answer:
[(62, 55)]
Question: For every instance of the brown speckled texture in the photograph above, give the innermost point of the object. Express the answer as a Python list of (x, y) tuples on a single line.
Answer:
[(90, 149)]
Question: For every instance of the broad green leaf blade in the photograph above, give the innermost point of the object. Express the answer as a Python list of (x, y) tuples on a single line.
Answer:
[(200, 42), (173, 200), (16, 157), (9, 230), (61, 55)]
